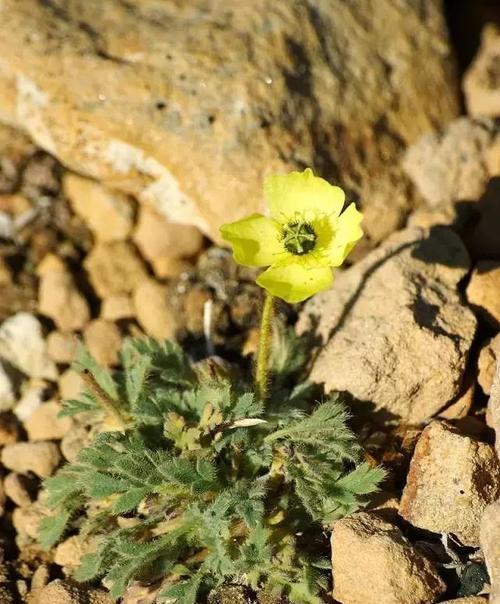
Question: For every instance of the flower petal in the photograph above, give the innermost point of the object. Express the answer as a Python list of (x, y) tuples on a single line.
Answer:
[(347, 232), (303, 194), (255, 240), (294, 282)]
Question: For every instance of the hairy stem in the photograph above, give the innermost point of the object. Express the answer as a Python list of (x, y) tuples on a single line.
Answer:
[(106, 402), (262, 370)]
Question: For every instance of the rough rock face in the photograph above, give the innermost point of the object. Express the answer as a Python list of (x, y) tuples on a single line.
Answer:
[(146, 113), (482, 80), (490, 539), (373, 563), (452, 165), (483, 291), (397, 333), (452, 479)]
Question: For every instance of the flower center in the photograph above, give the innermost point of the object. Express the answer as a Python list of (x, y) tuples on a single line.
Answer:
[(299, 238)]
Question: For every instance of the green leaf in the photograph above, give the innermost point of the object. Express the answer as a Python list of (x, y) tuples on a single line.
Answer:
[(52, 528)]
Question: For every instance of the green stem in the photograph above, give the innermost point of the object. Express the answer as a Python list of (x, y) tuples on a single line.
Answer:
[(262, 370)]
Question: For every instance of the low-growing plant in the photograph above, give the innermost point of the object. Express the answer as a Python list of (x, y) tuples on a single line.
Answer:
[(196, 478)]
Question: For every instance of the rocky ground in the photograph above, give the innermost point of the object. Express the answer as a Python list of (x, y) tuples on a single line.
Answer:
[(142, 137)]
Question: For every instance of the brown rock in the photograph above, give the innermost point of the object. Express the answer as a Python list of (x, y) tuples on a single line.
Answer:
[(22, 345), (396, 330), (450, 166), (452, 478), (483, 290), (490, 540), (67, 592), (488, 358), (59, 298), (149, 117), (373, 563), (73, 442), (26, 521), (153, 311), (117, 307), (61, 347), (108, 214), (70, 551), (114, 268), (45, 424), (461, 407), (482, 80), (161, 242), (103, 340), (70, 385), (19, 488), (40, 458)]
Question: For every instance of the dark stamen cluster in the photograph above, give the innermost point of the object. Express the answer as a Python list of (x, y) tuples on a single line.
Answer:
[(299, 238)]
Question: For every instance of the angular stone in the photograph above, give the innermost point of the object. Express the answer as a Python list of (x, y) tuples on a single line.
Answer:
[(108, 214), (103, 340), (483, 290), (117, 307), (153, 311), (61, 346), (490, 540), (373, 563), (19, 488), (22, 345), (114, 268), (70, 385), (40, 458), (68, 592), (452, 479), (450, 165), (45, 423), (482, 80), (488, 359), (147, 115), (59, 298), (396, 331), (161, 242)]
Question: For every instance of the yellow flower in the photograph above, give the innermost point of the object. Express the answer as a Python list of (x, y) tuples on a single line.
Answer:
[(305, 236)]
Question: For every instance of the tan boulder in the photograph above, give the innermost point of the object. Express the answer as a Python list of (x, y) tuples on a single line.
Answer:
[(45, 424), (114, 268), (61, 347), (153, 310), (117, 307), (482, 80), (103, 340), (59, 298), (373, 563), (396, 330), (489, 356), (108, 214), (68, 592), (164, 244), (146, 114), (40, 458), (483, 290), (490, 540), (452, 479)]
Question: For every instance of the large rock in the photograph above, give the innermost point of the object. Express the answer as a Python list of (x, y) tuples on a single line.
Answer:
[(490, 543), (395, 329), (189, 105), (483, 291), (22, 345), (452, 479), (373, 563), (451, 165)]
